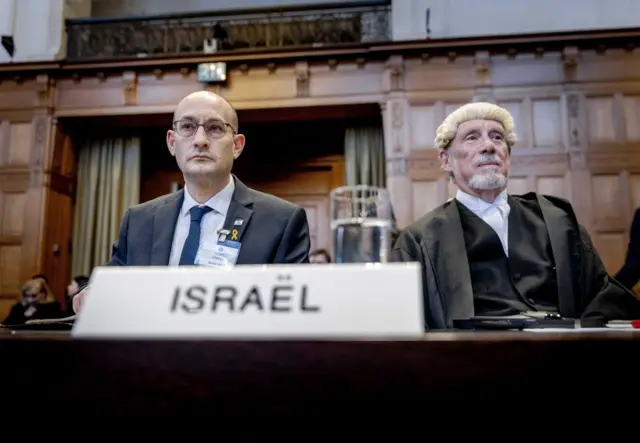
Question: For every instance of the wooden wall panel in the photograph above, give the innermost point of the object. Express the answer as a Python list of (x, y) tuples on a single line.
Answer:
[(10, 271), (578, 139), (440, 74), (308, 185), (546, 113), (15, 146), (24, 151), (14, 207), (261, 84), (613, 66), (519, 185), (58, 189), (631, 117), (90, 95), (97, 93), (577, 115), (634, 190), (610, 218), (528, 70), (552, 186), (17, 95), (163, 88), (427, 195), (355, 80)]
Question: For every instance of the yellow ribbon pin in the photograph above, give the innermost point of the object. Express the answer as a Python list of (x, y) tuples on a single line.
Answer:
[(234, 234)]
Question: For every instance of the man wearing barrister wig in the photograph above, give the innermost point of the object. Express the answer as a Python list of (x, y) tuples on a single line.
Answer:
[(488, 253)]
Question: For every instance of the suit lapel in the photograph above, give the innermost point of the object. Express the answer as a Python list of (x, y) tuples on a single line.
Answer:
[(559, 229), (452, 266), (164, 224), (239, 215)]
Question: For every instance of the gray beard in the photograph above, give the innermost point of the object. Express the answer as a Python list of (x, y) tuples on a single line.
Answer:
[(488, 181)]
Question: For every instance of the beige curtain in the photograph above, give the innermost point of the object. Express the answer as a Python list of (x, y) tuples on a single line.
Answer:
[(364, 156), (108, 184)]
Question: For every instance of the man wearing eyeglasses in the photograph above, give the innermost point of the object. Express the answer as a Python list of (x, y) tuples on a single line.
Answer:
[(215, 220)]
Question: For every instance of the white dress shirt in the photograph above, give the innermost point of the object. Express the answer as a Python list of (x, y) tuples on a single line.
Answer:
[(211, 222), (494, 214)]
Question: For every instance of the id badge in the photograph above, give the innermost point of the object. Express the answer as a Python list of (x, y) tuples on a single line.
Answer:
[(223, 255)]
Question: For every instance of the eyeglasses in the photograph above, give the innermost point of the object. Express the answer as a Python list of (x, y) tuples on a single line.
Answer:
[(214, 129)]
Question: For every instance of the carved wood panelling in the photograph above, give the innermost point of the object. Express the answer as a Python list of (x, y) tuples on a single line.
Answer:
[(424, 165), (546, 116), (425, 119), (543, 160), (616, 65), (10, 271), (613, 159), (14, 179), (354, 81), (631, 117), (259, 87), (611, 196), (526, 70), (577, 140), (130, 87), (424, 122), (308, 185), (539, 164), (552, 185), (317, 209), (15, 175), (12, 214), (440, 74), (519, 184), (521, 111), (634, 190), (17, 96), (427, 195), (577, 114), (44, 91), (600, 112), (19, 138), (23, 155), (302, 79)]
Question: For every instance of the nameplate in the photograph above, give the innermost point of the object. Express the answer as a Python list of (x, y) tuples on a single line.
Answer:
[(254, 302)]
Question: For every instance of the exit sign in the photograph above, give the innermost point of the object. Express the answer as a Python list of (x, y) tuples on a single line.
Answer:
[(212, 72)]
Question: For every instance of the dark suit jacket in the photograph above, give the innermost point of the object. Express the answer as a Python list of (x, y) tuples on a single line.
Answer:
[(585, 289), (273, 230)]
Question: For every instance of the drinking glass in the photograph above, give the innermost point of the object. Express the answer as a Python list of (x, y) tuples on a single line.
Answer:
[(361, 224)]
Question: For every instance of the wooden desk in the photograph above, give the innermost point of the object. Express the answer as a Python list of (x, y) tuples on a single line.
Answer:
[(187, 379)]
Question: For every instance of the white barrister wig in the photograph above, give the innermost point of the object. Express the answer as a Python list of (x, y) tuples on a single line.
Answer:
[(475, 111)]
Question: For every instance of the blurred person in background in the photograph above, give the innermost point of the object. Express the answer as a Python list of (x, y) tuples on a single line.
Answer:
[(77, 283), (37, 303), (320, 256)]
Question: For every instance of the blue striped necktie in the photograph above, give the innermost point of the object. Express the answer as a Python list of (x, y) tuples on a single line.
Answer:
[(191, 244)]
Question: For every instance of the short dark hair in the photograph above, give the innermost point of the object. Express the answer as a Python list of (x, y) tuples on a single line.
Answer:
[(81, 280)]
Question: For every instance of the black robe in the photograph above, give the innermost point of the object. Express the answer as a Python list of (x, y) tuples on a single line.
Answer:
[(44, 311), (629, 274), (585, 290)]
